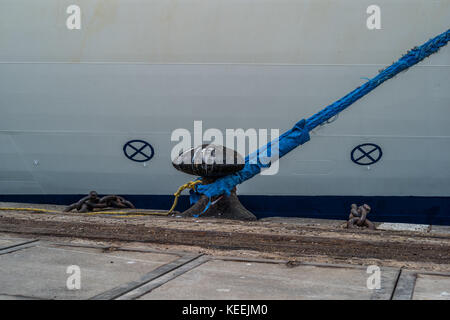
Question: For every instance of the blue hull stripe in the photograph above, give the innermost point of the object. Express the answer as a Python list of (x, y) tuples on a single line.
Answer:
[(423, 210)]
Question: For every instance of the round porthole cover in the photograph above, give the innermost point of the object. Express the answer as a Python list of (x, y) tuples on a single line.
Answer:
[(138, 150), (366, 154)]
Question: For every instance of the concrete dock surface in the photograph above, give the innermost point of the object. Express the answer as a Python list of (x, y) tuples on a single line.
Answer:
[(44, 269), (72, 256)]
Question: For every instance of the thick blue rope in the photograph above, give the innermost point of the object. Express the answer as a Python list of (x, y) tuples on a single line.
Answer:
[(299, 134)]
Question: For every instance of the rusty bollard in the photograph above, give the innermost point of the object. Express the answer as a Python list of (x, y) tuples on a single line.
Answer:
[(212, 162)]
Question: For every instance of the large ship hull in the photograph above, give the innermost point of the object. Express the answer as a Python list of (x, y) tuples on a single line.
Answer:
[(137, 70)]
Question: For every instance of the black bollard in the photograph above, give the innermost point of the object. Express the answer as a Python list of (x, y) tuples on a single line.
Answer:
[(212, 162)]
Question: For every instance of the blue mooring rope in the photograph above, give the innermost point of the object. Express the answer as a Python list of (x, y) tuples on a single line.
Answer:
[(299, 134)]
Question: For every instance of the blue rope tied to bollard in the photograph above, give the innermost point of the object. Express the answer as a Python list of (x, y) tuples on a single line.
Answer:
[(299, 134)]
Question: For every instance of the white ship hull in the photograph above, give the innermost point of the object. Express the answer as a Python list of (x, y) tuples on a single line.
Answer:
[(71, 99)]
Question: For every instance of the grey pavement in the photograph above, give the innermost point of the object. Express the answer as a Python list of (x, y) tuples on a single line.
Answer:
[(40, 269)]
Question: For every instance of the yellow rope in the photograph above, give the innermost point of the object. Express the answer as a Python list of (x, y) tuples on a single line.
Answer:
[(189, 185), (128, 213), (121, 214), (30, 209)]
